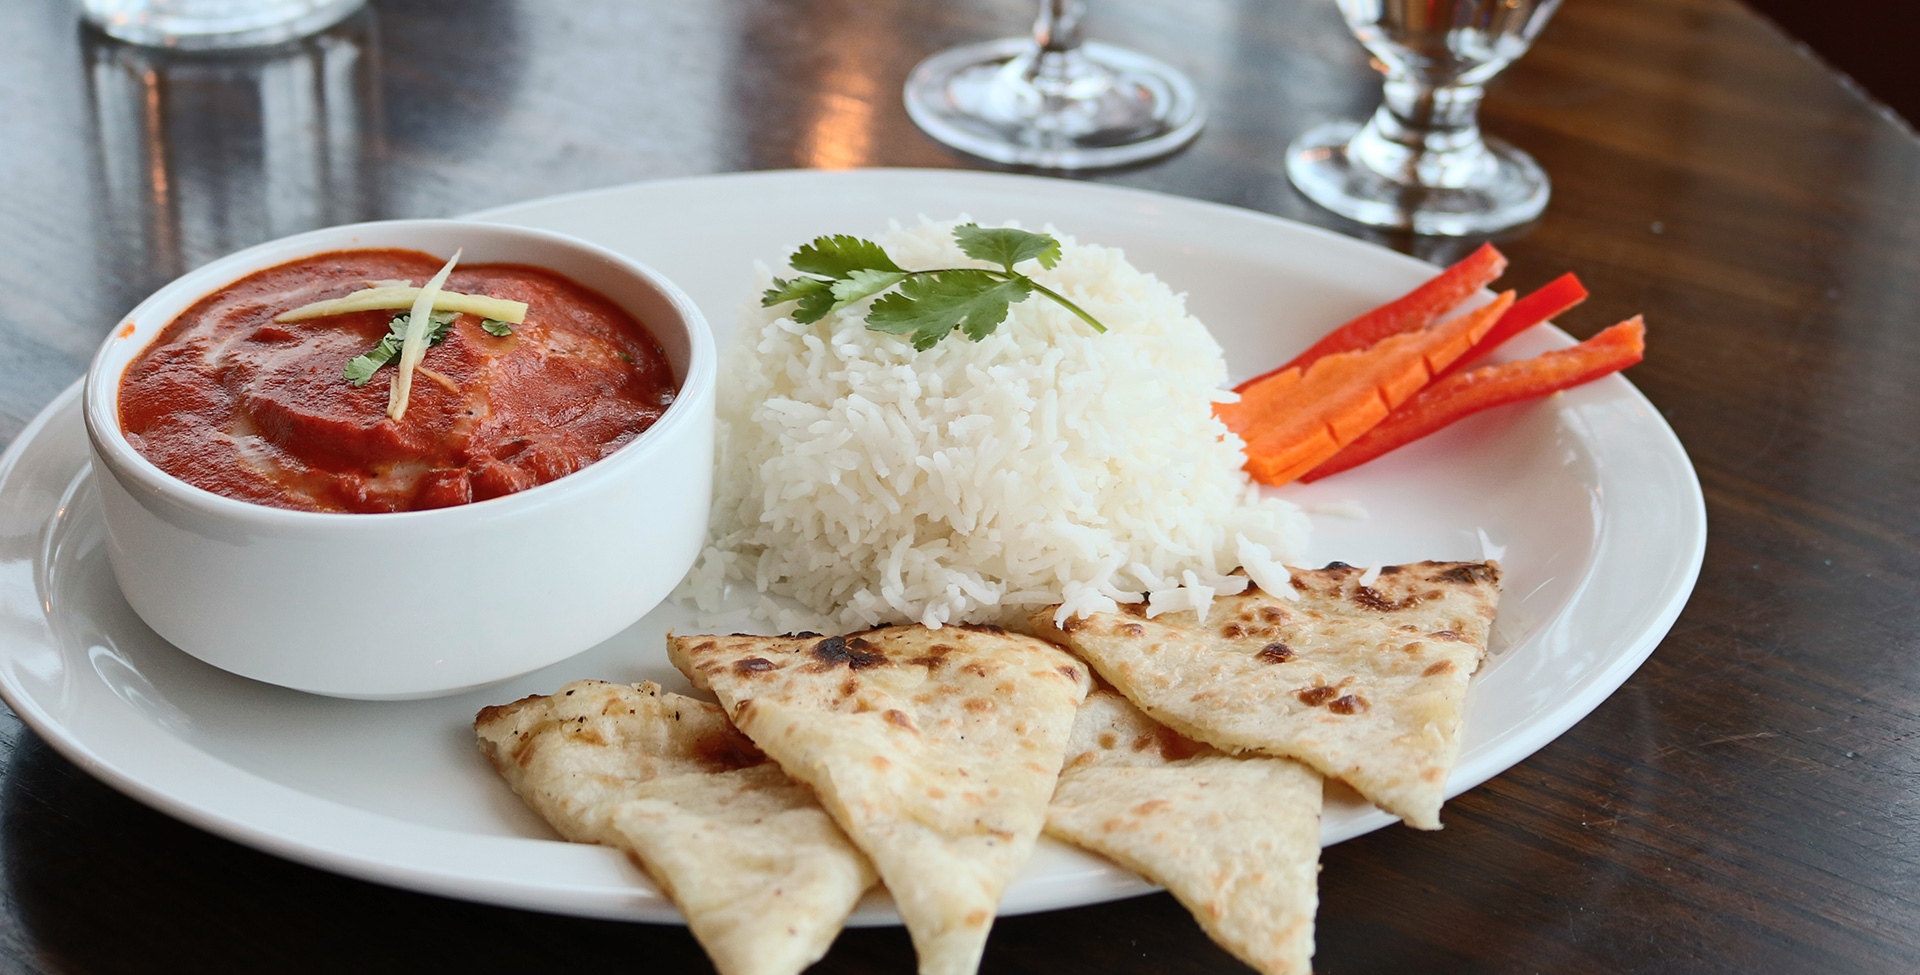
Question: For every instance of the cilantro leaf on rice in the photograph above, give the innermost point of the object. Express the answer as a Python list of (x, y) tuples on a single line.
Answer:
[(835, 255), (931, 302), (1006, 246), (929, 307)]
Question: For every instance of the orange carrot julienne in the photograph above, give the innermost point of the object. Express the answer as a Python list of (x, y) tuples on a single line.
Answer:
[(1299, 418), (1275, 399), (1459, 396), (1416, 309)]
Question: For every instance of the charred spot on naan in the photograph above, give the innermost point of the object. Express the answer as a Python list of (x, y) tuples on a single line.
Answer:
[(1468, 573), (753, 665), (1316, 695), (853, 652), (1347, 704), (934, 658), (1275, 653)]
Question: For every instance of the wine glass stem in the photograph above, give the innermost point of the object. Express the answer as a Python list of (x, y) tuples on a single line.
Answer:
[(1424, 133), (1058, 26), (1058, 68)]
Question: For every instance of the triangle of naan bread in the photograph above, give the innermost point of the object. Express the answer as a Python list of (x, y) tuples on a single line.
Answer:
[(1366, 684), (1235, 839), (936, 750), (762, 874)]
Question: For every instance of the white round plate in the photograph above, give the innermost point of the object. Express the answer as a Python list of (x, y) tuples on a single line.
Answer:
[(1586, 498)]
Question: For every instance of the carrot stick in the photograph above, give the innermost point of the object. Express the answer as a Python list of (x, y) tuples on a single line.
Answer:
[(1411, 358), (1298, 419), (1551, 301), (1467, 393), (1416, 309)]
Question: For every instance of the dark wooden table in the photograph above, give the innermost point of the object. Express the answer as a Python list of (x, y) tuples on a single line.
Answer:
[(1748, 803)]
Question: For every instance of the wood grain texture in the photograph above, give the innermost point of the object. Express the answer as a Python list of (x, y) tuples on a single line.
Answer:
[(1748, 802)]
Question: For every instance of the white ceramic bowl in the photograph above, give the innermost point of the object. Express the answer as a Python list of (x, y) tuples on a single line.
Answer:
[(423, 603)]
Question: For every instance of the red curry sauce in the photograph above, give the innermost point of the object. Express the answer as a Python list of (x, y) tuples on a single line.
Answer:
[(228, 400)]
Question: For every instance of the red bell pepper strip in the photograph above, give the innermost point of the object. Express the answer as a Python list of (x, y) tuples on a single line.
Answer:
[(1416, 309), (1550, 302), (1467, 393)]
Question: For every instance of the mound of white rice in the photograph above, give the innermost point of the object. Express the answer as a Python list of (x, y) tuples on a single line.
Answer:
[(971, 482)]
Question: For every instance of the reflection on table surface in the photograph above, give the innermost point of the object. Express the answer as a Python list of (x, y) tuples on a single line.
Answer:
[(202, 155)]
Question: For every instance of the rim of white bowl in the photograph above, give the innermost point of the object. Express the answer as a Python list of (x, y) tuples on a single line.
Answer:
[(100, 397)]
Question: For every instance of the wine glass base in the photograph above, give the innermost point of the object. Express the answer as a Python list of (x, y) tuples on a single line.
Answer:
[(1128, 108), (1510, 191)]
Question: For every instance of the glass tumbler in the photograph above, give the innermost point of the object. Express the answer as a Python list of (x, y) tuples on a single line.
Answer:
[(1420, 163), (199, 156)]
